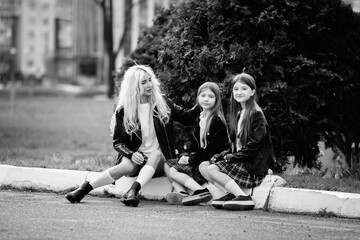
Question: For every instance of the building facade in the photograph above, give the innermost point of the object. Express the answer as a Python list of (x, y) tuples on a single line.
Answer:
[(64, 39), (9, 12)]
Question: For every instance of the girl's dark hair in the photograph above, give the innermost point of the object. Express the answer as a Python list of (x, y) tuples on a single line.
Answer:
[(235, 107)]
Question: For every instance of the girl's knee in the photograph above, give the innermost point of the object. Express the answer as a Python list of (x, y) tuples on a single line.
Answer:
[(204, 165), (172, 171), (212, 168)]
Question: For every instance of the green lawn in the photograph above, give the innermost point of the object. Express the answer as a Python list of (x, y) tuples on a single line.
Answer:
[(56, 131)]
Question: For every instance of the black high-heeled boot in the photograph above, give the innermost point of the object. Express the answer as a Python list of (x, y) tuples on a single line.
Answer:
[(132, 197), (78, 194)]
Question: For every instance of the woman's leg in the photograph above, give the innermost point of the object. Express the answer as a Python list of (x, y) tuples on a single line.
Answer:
[(151, 167), (145, 174), (126, 167)]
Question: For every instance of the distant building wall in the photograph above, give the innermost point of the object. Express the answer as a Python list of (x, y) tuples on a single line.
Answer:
[(9, 13), (79, 43), (36, 36)]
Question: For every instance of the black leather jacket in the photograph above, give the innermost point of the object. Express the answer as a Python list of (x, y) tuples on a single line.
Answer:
[(257, 154), (217, 141), (127, 144)]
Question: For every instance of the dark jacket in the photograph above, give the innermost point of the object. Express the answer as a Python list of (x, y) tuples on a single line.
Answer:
[(257, 154), (127, 144), (217, 141)]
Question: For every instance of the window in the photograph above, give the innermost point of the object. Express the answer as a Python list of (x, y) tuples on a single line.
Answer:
[(30, 63), (31, 35), (45, 6), (32, 21), (32, 4)]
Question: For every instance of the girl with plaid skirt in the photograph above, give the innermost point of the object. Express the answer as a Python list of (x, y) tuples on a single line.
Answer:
[(252, 152), (210, 136)]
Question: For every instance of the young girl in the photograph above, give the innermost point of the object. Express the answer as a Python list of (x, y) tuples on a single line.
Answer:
[(210, 136), (252, 153), (142, 130)]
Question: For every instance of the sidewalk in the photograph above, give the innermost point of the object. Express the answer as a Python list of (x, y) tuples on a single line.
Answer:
[(270, 195)]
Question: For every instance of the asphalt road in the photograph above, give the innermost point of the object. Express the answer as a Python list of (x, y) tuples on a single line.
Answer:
[(34, 215)]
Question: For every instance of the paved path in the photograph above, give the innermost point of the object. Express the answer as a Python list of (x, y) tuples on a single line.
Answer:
[(36, 215)]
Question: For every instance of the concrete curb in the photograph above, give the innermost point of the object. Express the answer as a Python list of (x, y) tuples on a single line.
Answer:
[(294, 200), (58, 180), (270, 195)]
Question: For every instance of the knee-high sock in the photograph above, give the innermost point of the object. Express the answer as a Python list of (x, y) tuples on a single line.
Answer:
[(192, 184), (145, 174), (216, 184), (103, 179), (233, 188), (178, 187)]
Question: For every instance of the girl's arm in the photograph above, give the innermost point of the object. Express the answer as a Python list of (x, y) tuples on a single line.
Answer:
[(218, 141), (179, 114), (252, 147)]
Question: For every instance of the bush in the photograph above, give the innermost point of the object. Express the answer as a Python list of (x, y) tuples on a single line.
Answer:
[(304, 56)]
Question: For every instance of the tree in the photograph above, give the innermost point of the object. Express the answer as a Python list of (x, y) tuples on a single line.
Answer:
[(110, 51), (304, 55)]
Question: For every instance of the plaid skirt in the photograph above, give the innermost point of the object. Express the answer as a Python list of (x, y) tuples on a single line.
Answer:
[(239, 174), (193, 172), (172, 161)]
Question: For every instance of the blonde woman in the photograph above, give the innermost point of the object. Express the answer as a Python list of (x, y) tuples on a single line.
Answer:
[(142, 132)]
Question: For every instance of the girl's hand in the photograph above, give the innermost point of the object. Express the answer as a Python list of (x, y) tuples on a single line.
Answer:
[(184, 160), (137, 158), (228, 156)]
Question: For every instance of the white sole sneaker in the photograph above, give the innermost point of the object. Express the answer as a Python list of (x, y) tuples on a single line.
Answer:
[(197, 199), (239, 205), (218, 203), (175, 198)]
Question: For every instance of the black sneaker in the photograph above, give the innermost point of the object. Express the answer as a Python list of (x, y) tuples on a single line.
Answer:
[(199, 196), (239, 203), (176, 197), (218, 203)]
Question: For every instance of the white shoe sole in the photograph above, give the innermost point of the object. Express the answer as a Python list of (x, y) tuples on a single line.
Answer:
[(217, 204), (175, 198), (194, 200), (239, 205)]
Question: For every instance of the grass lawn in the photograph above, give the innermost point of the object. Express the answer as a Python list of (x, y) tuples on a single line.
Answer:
[(316, 182), (56, 130)]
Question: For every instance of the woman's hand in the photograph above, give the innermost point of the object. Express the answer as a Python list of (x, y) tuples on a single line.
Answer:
[(137, 158), (184, 160)]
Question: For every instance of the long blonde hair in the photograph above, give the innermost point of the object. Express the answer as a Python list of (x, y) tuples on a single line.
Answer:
[(217, 109), (129, 98), (235, 107)]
